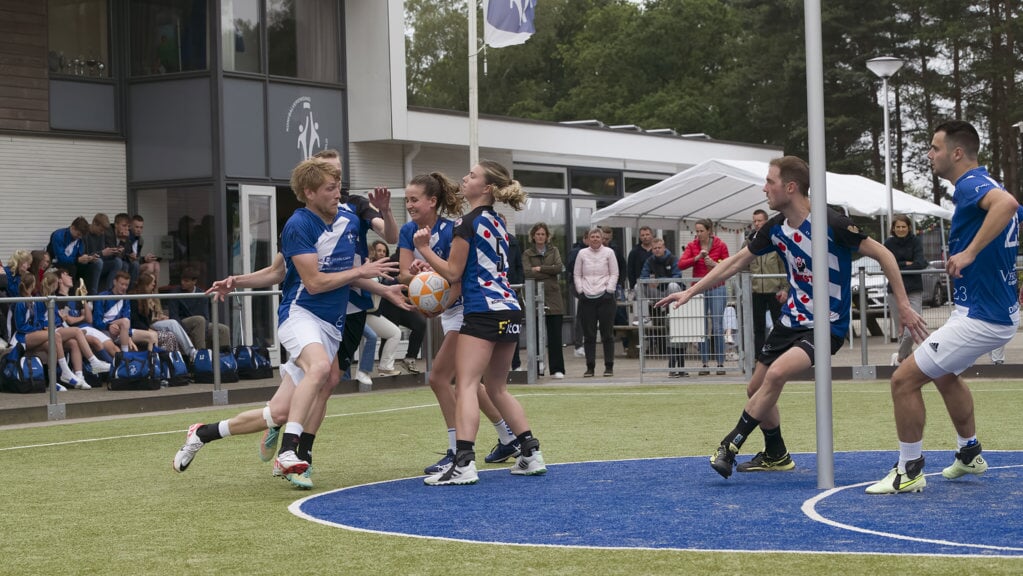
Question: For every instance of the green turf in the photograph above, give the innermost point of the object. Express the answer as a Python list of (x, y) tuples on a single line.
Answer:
[(107, 501)]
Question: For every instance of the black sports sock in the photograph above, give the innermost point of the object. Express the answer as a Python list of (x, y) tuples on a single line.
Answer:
[(288, 442), (527, 443), (742, 430), (305, 446), (465, 452), (774, 444), (209, 432)]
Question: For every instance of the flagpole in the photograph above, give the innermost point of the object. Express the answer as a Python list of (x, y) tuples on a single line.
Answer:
[(474, 112)]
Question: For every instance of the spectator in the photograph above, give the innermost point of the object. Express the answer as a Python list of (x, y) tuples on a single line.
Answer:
[(128, 256), (19, 264), (768, 293), (369, 351), (384, 329), (148, 262), (31, 330), (543, 263), (148, 314), (703, 255), (577, 327), (661, 264), (596, 275), (114, 316), (639, 255), (194, 313), (79, 314), (909, 253), (101, 242), (67, 247), (68, 324), (40, 263), (410, 319), (621, 313)]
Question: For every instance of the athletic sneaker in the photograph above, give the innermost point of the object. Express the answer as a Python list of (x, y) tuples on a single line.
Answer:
[(441, 464), (99, 366), (454, 475), (764, 463), (302, 480), (289, 463), (268, 445), (724, 459), (532, 465), (967, 461), (192, 445), (502, 452), (896, 482), (410, 365)]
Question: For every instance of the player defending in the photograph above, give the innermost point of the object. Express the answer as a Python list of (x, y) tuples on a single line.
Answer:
[(789, 347), (982, 243)]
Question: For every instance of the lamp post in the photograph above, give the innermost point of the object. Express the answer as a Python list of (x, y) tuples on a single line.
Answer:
[(884, 67)]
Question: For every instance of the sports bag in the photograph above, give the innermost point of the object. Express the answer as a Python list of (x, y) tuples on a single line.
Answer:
[(20, 373), (135, 371), (253, 362), (173, 368), (202, 366)]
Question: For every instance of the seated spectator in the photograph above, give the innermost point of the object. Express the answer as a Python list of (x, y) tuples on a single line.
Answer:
[(31, 322), (148, 314), (148, 262), (78, 314), (122, 238), (194, 313), (67, 247), (410, 319), (114, 316), (10, 280), (40, 264), (368, 354), (100, 241), (384, 329)]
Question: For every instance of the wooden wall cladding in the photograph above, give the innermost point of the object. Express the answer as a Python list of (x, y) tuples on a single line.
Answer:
[(24, 81)]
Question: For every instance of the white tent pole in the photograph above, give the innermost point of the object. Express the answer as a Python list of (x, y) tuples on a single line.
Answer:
[(819, 233), (474, 104)]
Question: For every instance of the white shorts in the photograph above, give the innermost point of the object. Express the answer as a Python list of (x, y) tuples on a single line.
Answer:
[(955, 346), (300, 330), (451, 319), (96, 333)]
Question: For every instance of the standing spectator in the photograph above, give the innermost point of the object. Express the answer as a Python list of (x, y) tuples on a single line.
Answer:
[(909, 253), (542, 262), (129, 257), (577, 323), (148, 262), (68, 247), (661, 264), (194, 313), (101, 242), (621, 313), (639, 255), (768, 293), (596, 276), (703, 255)]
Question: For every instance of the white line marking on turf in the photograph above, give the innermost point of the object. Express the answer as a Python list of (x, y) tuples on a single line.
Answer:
[(809, 508)]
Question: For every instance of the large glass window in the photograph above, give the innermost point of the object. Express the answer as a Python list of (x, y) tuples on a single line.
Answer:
[(302, 38), (168, 36), (239, 32), (596, 183), (541, 180), (79, 38), (179, 228)]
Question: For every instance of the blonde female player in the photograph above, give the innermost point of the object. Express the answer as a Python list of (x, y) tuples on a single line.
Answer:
[(492, 320), (426, 196)]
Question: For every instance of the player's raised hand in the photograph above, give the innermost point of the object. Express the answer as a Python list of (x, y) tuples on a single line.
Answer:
[(380, 198), (422, 238), (221, 288)]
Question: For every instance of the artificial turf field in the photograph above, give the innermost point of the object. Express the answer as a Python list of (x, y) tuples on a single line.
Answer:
[(100, 497)]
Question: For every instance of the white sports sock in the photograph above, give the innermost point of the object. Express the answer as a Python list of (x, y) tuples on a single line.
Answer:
[(224, 429), (293, 428), (64, 367), (504, 433), (451, 439), (909, 451), (962, 442)]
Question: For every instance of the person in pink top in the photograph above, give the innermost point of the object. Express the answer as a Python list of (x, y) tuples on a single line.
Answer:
[(595, 276), (702, 255)]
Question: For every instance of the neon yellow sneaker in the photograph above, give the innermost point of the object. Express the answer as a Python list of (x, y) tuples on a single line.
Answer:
[(764, 463), (967, 461), (912, 480)]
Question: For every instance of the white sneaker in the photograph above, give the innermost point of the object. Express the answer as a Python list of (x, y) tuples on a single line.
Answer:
[(895, 359), (364, 378), (187, 452), (98, 366), (82, 384), (558, 375), (289, 463), (454, 475), (532, 465), (580, 353), (61, 387), (70, 380)]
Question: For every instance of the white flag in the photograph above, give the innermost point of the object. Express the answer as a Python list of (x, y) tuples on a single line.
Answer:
[(507, 22)]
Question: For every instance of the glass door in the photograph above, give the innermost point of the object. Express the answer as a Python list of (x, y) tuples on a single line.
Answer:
[(258, 215)]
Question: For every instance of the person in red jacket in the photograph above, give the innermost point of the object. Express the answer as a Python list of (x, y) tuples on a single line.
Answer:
[(702, 255)]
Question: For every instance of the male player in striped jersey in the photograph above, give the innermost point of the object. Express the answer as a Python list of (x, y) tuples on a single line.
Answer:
[(982, 244), (789, 349)]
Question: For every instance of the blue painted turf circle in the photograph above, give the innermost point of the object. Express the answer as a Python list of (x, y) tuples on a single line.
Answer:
[(681, 504)]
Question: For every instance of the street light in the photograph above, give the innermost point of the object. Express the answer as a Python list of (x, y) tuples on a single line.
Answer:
[(884, 67)]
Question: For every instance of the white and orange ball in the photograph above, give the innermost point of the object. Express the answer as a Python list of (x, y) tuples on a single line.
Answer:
[(429, 292)]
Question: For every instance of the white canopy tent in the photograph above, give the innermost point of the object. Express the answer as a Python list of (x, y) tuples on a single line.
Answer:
[(730, 190)]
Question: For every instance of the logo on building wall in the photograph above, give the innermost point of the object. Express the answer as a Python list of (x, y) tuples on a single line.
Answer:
[(302, 123)]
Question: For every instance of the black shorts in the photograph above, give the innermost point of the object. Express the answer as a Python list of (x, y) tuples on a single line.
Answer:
[(502, 326), (782, 338)]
